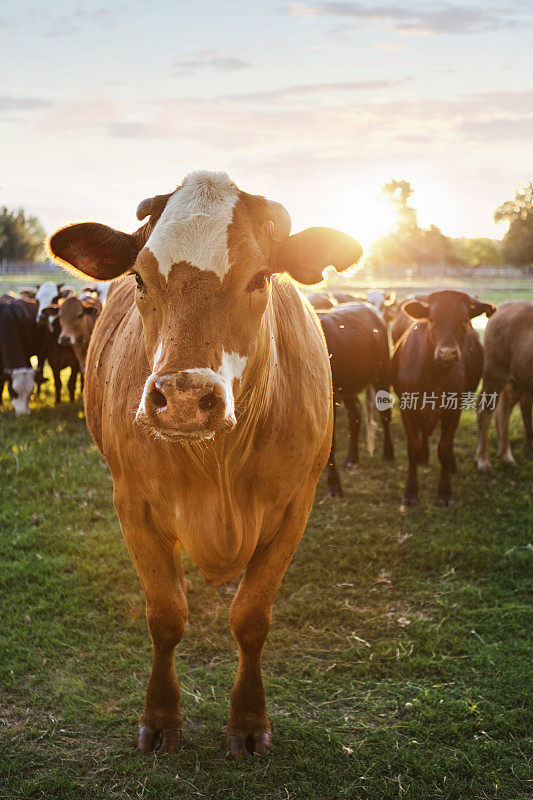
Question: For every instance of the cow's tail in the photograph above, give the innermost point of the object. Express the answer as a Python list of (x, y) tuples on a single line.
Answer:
[(370, 423)]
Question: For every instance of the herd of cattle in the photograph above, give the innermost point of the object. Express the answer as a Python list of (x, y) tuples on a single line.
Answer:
[(423, 347), (52, 323), (435, 363), (208, 391)]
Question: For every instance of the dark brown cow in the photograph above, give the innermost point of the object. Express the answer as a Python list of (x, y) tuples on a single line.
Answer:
[(208, 390), (59, 356), (508, 373), (358, 348), (320, 300), (77, 316), (434, 363)]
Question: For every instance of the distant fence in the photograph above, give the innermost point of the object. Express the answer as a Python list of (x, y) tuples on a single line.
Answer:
[(392, 272), (388, 274), (28, 267)]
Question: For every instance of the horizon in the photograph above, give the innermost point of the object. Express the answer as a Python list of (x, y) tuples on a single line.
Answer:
[(313, 104)]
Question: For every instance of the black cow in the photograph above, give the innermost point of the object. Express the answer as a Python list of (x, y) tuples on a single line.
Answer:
[(358, 347)]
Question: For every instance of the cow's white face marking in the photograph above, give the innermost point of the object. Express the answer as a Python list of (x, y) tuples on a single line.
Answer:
[(193, 227), (44, 295), (22, 381), (231, 369), (376, 298)]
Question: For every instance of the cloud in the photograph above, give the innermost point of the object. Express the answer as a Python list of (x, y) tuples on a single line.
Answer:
[(500, 130), (8, 104), (82, 18), (331, 131), (434, 17), (210, 59), (314, 90)]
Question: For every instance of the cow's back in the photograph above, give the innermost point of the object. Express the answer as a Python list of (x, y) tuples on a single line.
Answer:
[(358, 347), (509, 344)]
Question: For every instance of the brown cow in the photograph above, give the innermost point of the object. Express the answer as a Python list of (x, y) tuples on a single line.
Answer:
[(434, 363), (208, 390), (508, 372), (76, 320), (58, 355)]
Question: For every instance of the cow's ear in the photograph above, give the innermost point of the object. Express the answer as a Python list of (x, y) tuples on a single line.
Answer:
[(305, 255), (416, 309), (92, 311), (477, 308), (94, 250)]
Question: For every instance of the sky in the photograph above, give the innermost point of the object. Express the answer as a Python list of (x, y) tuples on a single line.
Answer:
[(315, 104)]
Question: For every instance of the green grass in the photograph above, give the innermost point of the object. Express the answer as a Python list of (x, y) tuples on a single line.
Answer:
[(362, 704)]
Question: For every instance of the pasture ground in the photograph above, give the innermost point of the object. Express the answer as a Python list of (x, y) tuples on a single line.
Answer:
[(396, 666)]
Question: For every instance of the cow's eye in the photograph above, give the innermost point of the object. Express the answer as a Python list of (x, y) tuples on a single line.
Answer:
[(140, 283), (258, 282)]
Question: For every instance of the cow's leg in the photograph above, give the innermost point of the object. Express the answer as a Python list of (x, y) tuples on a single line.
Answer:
[(353, 407), (424, 448), (526, 408), (448, 426), (508, 399), (491, 387), (157, 563), (388, 447), (72, 383), (250, 614), (57, 385), (414, 445), (333, 479)]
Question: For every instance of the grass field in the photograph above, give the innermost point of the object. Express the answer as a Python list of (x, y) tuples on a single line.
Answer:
[(396, 666)]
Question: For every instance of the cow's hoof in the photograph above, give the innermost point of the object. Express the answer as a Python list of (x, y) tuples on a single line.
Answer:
[(335, 491), (158, 741), (256, 743), (409, 501), (508, 459), (483, 464), (445, 502), (350, 466)]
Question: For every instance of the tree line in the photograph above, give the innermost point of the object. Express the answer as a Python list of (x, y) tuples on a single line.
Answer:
[(22, 236), (409, 244)]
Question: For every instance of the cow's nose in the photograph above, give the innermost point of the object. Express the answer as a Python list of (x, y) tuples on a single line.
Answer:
[(64, 340), (448, 354), (187, 403)]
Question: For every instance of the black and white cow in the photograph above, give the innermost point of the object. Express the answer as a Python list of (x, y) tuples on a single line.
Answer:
[(19, 341)]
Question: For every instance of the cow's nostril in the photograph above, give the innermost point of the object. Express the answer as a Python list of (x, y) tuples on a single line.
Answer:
[(207, 402), (158, 398)]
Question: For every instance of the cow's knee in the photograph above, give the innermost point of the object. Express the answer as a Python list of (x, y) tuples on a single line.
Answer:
[(167, 625), (249, 625)]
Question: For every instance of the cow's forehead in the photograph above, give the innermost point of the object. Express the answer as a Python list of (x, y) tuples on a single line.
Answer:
[(193, 228)]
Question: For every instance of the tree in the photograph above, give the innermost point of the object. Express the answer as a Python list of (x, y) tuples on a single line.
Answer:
[(517, 244), (21, 237), (408, 244), (477, 252)]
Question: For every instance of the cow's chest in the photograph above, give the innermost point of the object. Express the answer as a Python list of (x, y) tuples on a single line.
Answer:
[(217, 522)]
